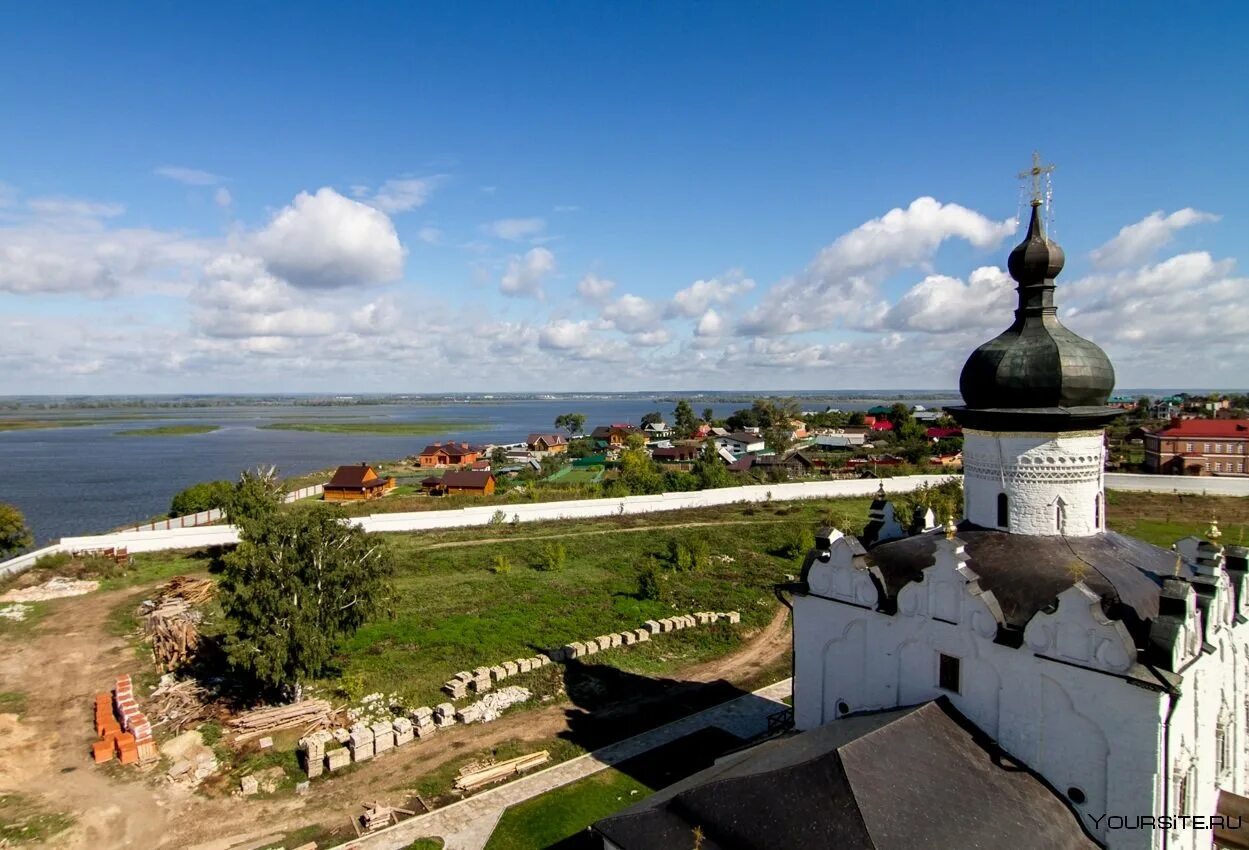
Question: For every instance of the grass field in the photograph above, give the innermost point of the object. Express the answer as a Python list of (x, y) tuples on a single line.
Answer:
[(168, 431), (406, 429)]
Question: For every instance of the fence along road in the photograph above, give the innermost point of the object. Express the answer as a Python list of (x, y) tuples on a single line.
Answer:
[(221, 535)]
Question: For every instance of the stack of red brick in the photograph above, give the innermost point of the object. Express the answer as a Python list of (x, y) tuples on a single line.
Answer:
[(131, 738)]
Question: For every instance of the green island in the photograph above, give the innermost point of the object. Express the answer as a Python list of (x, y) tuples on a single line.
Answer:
[(405, 429), (167, 431)]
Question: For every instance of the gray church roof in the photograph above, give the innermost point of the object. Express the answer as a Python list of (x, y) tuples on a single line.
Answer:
[(917, 777)]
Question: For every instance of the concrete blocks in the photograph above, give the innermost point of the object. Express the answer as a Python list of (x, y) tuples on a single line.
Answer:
[(498, 673), (734, 617), (463, 676), (468, 714), (426, 729), (665, 625), (478, 672), (652, 626), (703, 618), (591, 647), (628, 638), (335, 759), (313, 749), (642, 634), (615, 640), (341, 735), (510, 668), (524, 665), (249, 785), (456, 689), (443, 710), (403, 731), (481, 684), (361, 743), (576, 649), (422, 715), (383, 736), (541, 661)]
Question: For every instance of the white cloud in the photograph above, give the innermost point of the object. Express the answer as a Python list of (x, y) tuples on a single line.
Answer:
[(222, 197), (941, 304), (595, 288), (632, 314), (515, 229), (651, 338), (1137, 242), (525, 274), (73, 207), (565, 335), (430, 235), (840, 284), (188, 176), (711, 325), (403, 194), (701, 294), (324, 241)]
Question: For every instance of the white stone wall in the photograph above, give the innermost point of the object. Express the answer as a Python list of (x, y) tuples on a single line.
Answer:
[(1062, 702), (1053, 482)]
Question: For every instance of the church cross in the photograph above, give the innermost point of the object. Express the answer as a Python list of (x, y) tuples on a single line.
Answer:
[(1035, 173)]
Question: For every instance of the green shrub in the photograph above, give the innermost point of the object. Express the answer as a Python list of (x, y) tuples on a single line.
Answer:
[(501, 566), (552, 557), (201, 497), (649, 586), (210, 732)]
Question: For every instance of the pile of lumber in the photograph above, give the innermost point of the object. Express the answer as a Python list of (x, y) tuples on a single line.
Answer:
[(376, 816), (196, 591), (471, 780), (172, 626), (177, 705), (310, 714)]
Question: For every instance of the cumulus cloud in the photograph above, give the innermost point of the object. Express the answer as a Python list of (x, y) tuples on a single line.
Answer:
[(940, 304), (222, 197), (515, 229), (430, 235), (565, 335), (594, 288), (711, 325), (652, 338), (1137, 242), (632, 314), (324, 241), (840, 284), (525, 273), (187, 176), (701, 294)]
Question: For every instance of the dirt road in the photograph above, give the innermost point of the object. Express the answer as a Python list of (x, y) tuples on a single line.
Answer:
[(72, 656)]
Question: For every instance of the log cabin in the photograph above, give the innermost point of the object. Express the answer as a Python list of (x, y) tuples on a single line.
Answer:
[(357, 483), (448, 454)]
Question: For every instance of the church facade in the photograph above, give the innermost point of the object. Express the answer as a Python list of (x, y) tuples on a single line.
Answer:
[(1115, 670)]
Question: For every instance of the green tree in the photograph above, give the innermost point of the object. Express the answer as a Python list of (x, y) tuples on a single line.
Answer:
[(651, 418), (649, 586), (498, 457), (551, 464), (573, 423), (639, 474), (256, 498), (709, 415), (856, 420), (684, 421), (298, 584), (778, 438), (552, 557), (201, 497), (14, 534), (710, 470)]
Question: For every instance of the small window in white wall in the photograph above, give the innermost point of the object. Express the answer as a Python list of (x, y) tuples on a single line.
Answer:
[(1097, 511), (1181, 792), (1003, 511), (949, 674), (1222, 747)]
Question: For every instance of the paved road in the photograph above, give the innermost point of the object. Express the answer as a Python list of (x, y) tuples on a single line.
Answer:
[(468, 824)]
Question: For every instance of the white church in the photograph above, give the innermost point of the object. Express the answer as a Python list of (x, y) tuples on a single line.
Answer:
[(1021, 678)]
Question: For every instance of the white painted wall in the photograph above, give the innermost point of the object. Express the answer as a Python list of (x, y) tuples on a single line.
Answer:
[(1053, 482)]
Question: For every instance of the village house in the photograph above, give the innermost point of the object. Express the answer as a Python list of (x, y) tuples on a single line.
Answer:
[(793, 463), (472, 483), (937, 433), (656, 430), (685, 454), (546, 444), (448, 454), (356, 483), (740, 443), (612, 436), (840, 440), (1198, 447)]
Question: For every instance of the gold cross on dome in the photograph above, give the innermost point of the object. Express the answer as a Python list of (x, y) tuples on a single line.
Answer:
[(1035, 173)]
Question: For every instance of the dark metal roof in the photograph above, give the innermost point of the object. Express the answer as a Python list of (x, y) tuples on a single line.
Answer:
[(1027, 573), (1037, 363), (352, 477), (916, 777), (467, 480)]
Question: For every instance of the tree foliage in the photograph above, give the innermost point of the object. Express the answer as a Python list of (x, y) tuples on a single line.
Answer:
[(684, 421), (573, 423), (201, 497), (649, 586), (255, 499), (945, 500), (14, 534), (710, 470), (651, 418), (298, 584), (639, 474), (498, 457)]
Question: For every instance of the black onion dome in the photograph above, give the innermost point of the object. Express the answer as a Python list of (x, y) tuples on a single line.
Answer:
[(1037, 367)]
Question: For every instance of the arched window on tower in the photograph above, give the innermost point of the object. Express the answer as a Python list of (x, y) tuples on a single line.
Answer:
[(1003, 512), (1097, 511)]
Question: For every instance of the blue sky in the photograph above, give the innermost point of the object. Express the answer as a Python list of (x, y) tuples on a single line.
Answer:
[(396, 197)]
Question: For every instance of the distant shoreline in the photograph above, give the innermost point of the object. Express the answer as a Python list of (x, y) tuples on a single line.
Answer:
[(406, 429)]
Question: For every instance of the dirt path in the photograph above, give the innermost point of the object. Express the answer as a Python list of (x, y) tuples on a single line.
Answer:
[(72, 656), (492, 540)]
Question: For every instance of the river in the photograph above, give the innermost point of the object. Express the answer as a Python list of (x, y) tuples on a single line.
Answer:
[(87, 479)]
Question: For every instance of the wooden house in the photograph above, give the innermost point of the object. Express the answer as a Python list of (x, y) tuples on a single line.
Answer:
[(683, 454), (357, 483), (550, 444), (448, 454), (612, 435), (471, 483)]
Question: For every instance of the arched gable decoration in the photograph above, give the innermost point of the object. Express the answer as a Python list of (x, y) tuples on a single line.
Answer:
[(1080, 633), (950, 591)]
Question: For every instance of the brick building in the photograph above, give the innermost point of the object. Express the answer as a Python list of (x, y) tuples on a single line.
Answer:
[(1199, 447)]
